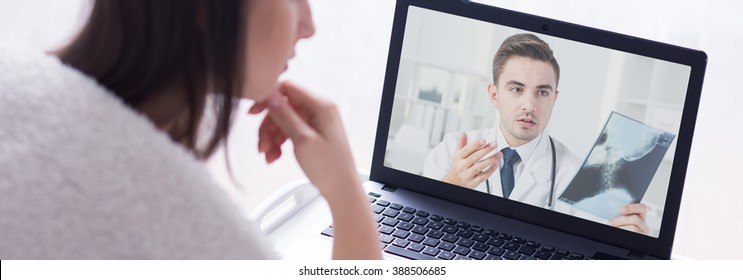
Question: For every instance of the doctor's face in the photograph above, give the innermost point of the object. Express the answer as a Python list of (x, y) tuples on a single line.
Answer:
[(524, 96)]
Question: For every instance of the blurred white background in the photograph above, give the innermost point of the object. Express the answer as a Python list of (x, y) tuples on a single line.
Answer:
[(346, 59)]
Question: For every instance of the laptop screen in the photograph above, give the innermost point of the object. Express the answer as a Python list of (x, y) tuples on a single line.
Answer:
[(579, 129)]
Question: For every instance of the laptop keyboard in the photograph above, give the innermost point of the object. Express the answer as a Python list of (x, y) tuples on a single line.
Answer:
[(417, 234)]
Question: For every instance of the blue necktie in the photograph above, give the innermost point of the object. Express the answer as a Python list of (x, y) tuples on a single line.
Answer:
[(510, 156)]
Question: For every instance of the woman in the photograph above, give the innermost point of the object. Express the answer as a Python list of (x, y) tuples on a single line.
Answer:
[(100, 143)]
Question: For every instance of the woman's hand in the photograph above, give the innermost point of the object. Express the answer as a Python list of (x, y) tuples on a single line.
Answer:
[(314, 126), (321, 148)]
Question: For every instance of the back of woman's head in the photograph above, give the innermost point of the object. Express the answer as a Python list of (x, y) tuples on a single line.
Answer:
[(164, 57)]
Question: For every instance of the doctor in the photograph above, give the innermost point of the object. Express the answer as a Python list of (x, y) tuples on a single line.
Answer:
[(515, 159)]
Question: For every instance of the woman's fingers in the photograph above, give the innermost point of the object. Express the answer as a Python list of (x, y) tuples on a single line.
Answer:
[(287, 119)]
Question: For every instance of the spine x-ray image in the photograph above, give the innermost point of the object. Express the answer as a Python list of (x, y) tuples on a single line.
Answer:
[(619, 168)]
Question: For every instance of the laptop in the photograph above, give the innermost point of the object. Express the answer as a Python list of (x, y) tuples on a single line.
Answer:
[(436, 87)]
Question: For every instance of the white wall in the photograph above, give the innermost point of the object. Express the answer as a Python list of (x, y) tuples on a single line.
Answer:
[(346, 60)]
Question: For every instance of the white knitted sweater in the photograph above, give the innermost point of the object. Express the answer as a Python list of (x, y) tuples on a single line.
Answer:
[(83, 176)]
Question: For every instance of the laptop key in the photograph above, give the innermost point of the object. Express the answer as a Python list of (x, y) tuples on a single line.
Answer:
[(435, 225), (450, 221), (390, 222), (533, 244), (436, 218), (476, 228), (396, 206), (391, 213), (420, 229), (543, 254), (496, 241), (405, 217), (450, 229), (328, 232), (450, 238), (435, 234), (528, 258), (420, 221), (477, 255), (548, 248), (383, 203), (482, 247), (527, 250), (513, 246), (405, 253), (405, 226), (433, 242), (563, 252), (480, 237), (491, 232), (505, 236), (422, 213), (431, 251), (446, 246), (401, 233), (511, 255), (466, 242), (378, 218), (400, 242), (417, 247), (409, 210), (465, 233), (386, 230), (461, 250), (386, 239), (417, 238), (576, 256), (447, 255), (371, 199), (461, 258), (492, 257), (496, 251), (377, 209), (463, 225), (519, 240)]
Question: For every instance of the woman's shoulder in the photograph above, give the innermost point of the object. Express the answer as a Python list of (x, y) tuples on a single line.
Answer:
[(33, 77), (85, 176)]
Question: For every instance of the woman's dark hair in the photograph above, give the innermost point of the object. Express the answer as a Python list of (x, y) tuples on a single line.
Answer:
[(141, 49)]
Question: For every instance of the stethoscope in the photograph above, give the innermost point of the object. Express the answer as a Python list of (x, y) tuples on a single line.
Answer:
[(551, 197)]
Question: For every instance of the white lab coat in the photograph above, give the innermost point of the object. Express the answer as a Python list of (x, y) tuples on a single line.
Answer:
[(532, 186)]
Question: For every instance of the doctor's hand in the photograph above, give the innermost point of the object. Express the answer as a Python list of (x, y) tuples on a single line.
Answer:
[(468, 167), (632, 218)]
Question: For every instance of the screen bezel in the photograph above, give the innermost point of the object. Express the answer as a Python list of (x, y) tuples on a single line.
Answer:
[(639, 244)]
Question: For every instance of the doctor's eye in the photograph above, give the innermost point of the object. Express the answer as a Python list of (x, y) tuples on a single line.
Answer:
[(543, 93), (516, 90)]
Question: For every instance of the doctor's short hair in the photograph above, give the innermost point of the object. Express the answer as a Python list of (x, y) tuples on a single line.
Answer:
[(525, 45)]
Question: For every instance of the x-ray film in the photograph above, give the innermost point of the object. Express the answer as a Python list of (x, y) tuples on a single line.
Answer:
[(619, 167)]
